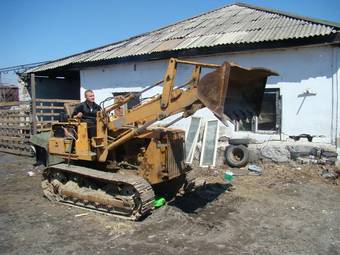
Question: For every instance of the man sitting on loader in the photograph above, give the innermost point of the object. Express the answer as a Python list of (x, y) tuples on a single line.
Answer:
[(87, 111)]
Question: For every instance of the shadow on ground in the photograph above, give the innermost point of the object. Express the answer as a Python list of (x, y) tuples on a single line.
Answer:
[(192, 201)]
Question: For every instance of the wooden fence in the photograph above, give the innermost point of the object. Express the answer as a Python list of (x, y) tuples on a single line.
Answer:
[(21, 119), (48, 112), (15, 127)]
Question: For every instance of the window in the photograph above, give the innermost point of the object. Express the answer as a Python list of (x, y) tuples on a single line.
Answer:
[(269, 119)]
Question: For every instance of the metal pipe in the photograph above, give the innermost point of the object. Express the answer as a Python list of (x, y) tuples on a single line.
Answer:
[(173, 122), (128, 97), (119, 103), (184, 85), (150, 87), (197, 64), (20, 67)]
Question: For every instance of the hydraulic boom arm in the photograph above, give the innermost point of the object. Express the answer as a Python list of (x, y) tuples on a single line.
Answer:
[(230, 92)]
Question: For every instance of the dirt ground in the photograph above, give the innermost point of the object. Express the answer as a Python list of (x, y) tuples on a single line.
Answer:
[(290, 209)]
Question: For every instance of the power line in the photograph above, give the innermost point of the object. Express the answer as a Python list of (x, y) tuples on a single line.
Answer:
[(21, 67)]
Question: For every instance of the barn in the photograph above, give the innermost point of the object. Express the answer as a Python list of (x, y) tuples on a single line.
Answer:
[(303, 99)]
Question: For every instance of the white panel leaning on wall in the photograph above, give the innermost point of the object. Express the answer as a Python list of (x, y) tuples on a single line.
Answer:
[(201, 141)]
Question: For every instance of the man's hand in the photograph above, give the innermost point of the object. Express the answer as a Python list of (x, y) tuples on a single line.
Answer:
[(79, 115)]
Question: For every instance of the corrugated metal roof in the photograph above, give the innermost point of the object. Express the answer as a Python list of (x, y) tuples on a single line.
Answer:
[(232, 24)]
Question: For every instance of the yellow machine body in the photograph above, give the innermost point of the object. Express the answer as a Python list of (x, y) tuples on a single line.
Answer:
[(115, 171)]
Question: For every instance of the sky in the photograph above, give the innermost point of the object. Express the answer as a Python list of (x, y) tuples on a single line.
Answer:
[(40, 30)]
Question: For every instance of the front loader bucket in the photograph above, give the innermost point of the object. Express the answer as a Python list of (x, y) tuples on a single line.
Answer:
[(232, 92)]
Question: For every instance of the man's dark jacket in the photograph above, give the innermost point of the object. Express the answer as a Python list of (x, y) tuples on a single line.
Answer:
[(89, 115)]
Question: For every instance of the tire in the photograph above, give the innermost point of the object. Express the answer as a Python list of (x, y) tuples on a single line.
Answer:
[(236, 155)]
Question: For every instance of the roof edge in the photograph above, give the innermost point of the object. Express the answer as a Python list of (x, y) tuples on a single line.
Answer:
[(293, 15), (269, 45)]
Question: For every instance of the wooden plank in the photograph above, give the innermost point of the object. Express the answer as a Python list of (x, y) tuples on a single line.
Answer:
[(15, 135), (17, 152), (18, 115), (14, 117), (12, 145), (10, 112), (2, 116), (57, 100), (48, 114), (15, 103), (14, 126), (50, 107), (26, 127), (18, 139), (5, 122), (15, 145), (44, 129), (46, 122)]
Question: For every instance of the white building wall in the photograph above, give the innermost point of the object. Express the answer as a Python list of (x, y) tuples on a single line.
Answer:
[(300, 69), (336, 91)]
